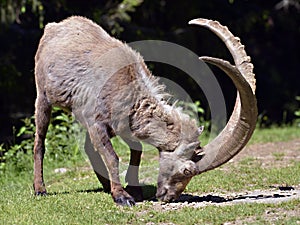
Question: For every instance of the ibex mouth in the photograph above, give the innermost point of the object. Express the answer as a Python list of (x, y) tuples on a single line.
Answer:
[(163, 196), (161, 192)]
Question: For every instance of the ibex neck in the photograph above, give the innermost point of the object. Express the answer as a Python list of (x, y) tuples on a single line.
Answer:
[(155, 123)]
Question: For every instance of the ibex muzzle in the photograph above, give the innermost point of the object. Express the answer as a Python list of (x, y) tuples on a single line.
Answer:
[(109, 89)]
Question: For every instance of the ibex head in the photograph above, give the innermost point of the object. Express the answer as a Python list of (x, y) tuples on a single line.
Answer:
[(176, 170), (189, 159)]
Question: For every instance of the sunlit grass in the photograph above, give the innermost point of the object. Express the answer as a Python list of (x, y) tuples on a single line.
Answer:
[(20, 207), (275, 134), (76, 196)]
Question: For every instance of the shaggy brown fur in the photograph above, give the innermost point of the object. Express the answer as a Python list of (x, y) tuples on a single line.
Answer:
[(109, 89)]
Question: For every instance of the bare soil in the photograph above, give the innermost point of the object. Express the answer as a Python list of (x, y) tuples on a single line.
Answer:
[(277, 154)]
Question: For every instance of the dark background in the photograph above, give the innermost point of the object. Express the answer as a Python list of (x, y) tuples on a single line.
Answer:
[(270, 30)]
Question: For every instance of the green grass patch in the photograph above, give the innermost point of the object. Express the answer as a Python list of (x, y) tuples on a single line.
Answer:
[(275, 134), (19, 206), (247, 175), (76, 197)]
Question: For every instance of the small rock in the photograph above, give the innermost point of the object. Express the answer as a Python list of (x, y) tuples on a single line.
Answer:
[(60, 170)]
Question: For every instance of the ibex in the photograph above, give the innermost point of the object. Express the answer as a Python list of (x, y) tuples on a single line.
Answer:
[(109, 89)]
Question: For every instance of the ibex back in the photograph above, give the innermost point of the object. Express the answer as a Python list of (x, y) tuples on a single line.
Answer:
[(109, 89)]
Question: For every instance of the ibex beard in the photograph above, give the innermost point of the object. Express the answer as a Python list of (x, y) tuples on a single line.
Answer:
[(109, 89)]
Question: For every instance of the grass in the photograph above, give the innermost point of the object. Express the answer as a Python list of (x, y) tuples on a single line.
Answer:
[(77, 203), (76, 207), (275, 134), (75, 197), (245, 175)]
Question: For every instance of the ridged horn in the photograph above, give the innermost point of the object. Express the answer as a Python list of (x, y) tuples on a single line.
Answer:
[(242, 122)]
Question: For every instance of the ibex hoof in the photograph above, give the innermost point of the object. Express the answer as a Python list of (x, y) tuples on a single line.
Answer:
[(40, 193), (125, 201)]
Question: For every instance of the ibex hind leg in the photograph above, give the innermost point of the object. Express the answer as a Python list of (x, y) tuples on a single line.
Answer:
[(97, 164), (132, 176), (100, 139), (42, 119)]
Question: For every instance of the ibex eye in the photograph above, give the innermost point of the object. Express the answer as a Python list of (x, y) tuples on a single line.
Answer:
[(187, 172), (170, 126)]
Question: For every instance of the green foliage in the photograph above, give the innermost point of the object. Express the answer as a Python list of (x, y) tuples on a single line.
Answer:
[(195, 110), (64, 138), (63, 143), (256, 23), (10, 10), (119, 12), (297, 112), (18, 157), (192, 109)]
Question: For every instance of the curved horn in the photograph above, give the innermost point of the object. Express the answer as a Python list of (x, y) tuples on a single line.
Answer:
[(241, 124)]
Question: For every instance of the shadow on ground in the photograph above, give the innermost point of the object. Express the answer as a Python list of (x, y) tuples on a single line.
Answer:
[(275, 194)]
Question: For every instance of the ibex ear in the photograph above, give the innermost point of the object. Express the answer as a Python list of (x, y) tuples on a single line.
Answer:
[(186, 150), (197, 155)]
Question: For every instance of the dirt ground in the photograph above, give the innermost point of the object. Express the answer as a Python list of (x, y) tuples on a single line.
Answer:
[(278, 154)]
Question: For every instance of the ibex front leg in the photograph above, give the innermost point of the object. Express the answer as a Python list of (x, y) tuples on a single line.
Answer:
[(101, 141)]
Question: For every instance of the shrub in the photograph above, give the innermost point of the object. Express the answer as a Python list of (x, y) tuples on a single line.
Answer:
[(63, 143), (297, 112)]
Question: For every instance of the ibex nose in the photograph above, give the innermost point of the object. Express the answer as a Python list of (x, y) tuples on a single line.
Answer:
[(169, 198), (165, 197), (161, 192)]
